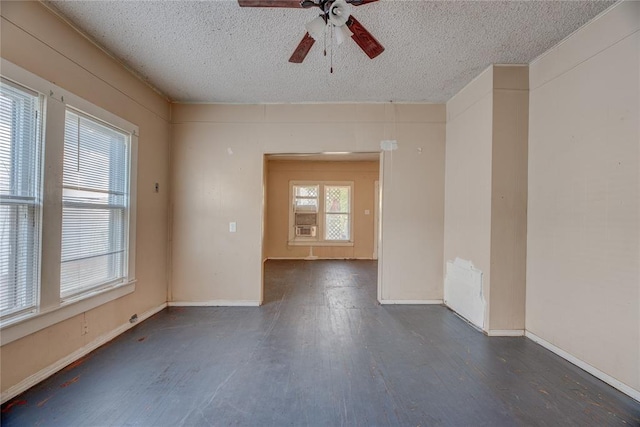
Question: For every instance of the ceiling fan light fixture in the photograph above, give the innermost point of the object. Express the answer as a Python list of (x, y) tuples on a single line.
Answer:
[(316, 27), (342, 33), (339, 13)]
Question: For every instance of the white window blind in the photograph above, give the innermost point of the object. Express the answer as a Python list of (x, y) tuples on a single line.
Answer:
[(95, 205), (20, 176)]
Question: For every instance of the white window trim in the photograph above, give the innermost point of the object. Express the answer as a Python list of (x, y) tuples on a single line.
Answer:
[(50, 308), (87, 290), (38, 194), (293, 240)]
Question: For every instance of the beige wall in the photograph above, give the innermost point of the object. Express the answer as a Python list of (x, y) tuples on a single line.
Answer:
[(362, 174), (217, 170), (509, 198), (468, 180), (35, 39), (583, 255), (486, 190)]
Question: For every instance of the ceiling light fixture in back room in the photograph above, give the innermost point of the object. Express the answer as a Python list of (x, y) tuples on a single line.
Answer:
[(335, 17)]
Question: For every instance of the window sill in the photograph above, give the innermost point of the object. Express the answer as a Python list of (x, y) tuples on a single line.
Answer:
[(314, 243), (20, 326)]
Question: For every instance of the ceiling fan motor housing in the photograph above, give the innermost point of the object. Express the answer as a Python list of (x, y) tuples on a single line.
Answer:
[(338, 13)]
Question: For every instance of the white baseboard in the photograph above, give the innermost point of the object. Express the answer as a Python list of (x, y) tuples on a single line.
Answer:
[(45, 373), (505, 332), (410, 301), (215, 303), (631, 392)]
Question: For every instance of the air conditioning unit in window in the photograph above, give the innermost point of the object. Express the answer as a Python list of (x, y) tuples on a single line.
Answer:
[(306, 230), (306, 219), (306, 208)]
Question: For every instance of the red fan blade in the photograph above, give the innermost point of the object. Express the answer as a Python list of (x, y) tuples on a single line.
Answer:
[(270, 3), (303, 48), (364, 39), (359, 2)]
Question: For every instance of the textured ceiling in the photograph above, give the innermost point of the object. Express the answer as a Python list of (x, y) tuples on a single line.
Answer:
[(215, 51)]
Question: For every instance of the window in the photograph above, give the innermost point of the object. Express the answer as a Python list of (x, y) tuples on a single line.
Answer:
[(67, 204), (20, 201), (321, 213), (305, 210), (337, 211), (95, 198)]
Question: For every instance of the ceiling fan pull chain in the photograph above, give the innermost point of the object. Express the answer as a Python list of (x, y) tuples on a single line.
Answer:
[(331, 69), (331, 29), (325, 41)]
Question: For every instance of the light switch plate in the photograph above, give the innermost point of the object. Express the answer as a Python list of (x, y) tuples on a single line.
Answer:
[(232, 227)]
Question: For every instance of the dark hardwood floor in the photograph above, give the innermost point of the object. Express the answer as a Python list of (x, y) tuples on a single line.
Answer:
[(319, 352)]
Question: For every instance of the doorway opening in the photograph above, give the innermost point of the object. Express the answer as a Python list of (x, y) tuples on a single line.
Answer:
[(322, 207)]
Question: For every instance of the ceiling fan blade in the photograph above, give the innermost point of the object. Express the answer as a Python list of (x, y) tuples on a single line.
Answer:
[(303, 48), (270, 3), (359, 2), (364, 39)]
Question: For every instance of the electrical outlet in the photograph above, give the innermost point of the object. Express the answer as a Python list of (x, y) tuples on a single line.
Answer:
[(85, 327)]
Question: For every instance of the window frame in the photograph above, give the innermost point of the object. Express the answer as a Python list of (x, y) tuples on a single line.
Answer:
[(125, 231), (326, 214), (36, 203), (51, 308), (292, 211), (319, 239)]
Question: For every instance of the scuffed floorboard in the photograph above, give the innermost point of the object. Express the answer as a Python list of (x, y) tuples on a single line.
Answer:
[(319, 352)]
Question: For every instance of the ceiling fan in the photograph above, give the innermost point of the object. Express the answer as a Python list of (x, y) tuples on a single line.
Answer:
[(334, 13)]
